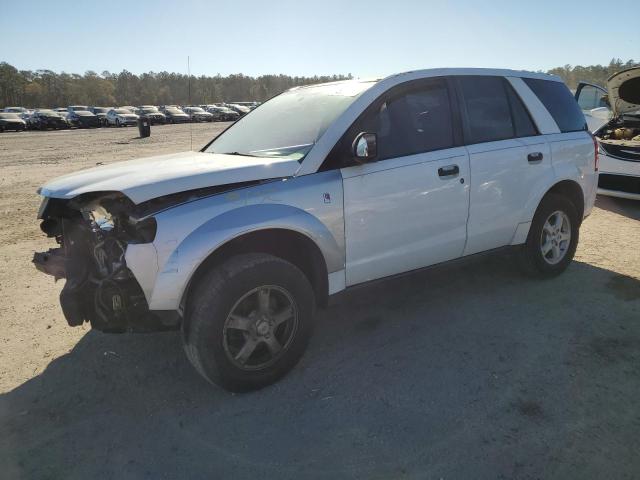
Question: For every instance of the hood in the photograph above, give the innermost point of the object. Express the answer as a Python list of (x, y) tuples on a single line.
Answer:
[(624, 91), (154, 177), (127, 115)]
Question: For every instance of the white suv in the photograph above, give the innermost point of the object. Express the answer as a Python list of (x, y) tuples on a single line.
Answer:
[(319, 189)]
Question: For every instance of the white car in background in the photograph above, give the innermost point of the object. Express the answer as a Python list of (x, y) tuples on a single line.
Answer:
[(613, 115), (121, 117)]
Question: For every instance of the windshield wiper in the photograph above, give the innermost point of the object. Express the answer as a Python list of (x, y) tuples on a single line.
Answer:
[(240, 154)]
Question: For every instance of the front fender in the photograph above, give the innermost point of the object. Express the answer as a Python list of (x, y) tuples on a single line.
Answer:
[(174, 275)]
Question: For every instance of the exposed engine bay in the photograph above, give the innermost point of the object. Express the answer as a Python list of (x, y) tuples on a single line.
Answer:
[(93, 231), (621, 137), (93, 234)]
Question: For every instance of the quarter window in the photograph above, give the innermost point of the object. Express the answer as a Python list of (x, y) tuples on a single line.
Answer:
[(557, 99)]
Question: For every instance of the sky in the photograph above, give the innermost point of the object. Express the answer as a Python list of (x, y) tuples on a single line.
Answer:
[(365, 38)]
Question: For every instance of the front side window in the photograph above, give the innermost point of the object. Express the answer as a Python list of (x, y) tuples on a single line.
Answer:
[(409, 119), (414, 122), (288, 125)]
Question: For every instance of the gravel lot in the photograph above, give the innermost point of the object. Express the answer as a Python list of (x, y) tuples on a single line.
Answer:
[(464, 371)]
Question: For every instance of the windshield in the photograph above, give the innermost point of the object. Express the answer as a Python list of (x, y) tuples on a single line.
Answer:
[(149, 109), (83, 113), (196, 109), (287, 126), (122, 111), (174, 110), (101, 110)]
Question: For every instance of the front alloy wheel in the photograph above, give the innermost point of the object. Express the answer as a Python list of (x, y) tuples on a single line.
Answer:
[(248, 321), (260, 327)]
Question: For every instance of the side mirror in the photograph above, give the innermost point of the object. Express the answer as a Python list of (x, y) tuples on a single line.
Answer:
[(365, 147)]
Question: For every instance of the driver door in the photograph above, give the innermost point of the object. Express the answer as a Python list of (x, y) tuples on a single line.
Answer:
[(408, 207)]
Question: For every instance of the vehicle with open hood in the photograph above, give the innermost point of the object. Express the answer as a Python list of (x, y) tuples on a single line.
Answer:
[(613, 115), (320, 189)]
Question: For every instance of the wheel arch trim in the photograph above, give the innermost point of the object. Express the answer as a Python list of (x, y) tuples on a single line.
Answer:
[(175, 274)]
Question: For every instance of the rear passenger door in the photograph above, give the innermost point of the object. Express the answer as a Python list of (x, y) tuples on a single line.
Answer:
[(507, 159)]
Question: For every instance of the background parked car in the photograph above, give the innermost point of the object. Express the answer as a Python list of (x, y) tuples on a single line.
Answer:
[(240, 109), (121, 117), (101, 113), (11, 121), (249, 105), (77, 108), (198, 114), (151, 113), (23, 113), (222, 114), (82, 119), (45, 119), (129, 107), (175, 115)]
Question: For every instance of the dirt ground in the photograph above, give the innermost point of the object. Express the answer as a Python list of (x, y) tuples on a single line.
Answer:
[(464, 371)]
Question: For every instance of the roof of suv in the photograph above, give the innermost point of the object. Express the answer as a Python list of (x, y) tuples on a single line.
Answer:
[(441, 72)]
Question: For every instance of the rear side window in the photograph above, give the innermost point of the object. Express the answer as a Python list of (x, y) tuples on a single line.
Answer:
[(557, 99), (487, 109), (493, 110)]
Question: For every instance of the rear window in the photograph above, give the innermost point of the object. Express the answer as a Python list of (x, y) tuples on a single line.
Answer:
[(557, 99)]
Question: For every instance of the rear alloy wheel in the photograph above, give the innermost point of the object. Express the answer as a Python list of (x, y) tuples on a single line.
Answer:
[(248, 321), (553, 237), (556, 237)]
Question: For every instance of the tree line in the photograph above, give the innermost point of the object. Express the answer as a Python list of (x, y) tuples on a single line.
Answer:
[(596, 74), (45, 88)]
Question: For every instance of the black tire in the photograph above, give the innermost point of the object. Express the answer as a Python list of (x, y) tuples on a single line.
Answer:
[(215, 296), (532, 259)]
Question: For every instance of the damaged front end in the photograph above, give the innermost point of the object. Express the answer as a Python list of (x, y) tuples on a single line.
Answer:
[(93, 232)]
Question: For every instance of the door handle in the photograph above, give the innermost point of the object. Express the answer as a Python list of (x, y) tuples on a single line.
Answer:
[(535, 157), (449, 171)]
